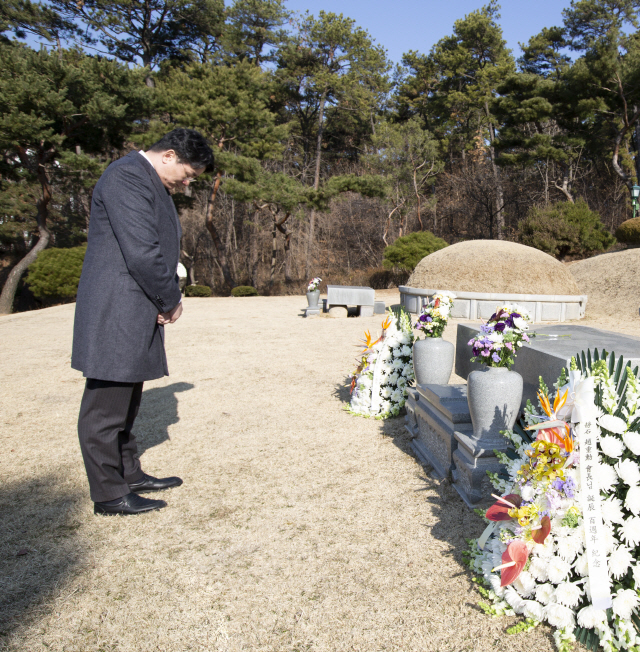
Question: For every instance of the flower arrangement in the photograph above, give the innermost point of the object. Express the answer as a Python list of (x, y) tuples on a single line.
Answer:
[(314, 284), (498, 341), (435, 315), (563, 545), (379, 384)]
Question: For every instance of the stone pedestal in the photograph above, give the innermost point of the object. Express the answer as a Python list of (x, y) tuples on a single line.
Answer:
[(312, 312), (434, 413)]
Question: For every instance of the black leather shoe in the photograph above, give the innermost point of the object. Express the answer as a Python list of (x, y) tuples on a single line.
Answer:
[(149, 483), (129, 504)]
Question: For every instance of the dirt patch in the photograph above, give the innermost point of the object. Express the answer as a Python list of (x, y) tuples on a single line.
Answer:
[(493, 266)]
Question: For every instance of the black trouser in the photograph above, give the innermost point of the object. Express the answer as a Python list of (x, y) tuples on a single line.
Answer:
[(107, 413)]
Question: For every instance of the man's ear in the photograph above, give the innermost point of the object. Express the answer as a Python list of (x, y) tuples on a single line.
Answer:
[(168, 156)]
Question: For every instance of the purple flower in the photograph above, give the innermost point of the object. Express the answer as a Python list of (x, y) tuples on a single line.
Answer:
[(485, 353), (471, 342), (429, 319), (495, 357), (515, 314), (557, 484), (475, 352), (423, 318), (509, 346), (486, 328), (509, 322), (499, 327), (525, 337)]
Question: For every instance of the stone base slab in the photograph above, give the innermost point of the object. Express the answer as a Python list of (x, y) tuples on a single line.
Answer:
[(312, 312), (470, 474)]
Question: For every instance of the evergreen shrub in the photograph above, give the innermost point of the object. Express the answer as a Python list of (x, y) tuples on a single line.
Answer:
[(244, 291), (629, 231), (406, 252), (565, 229), (55, 273), (197, 291), (384, 279)]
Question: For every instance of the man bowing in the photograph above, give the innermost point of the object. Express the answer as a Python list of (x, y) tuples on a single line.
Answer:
[(128, 291)]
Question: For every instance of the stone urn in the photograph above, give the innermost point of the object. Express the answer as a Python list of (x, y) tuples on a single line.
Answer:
[(494, 395), (312, 298), (432, 361)]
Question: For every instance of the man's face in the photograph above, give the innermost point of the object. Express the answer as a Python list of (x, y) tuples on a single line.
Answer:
[(174, 174)]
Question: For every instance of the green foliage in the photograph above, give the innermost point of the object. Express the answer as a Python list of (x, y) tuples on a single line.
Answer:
[(244, 291), (629, 231), (406, 252), (565, 229), (56, 273), (524, 626), (197, 291)]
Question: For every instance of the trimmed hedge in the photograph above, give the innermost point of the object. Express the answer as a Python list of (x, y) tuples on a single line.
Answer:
[(629, 231), (197, 291), (55, 273), (244, 291), (406, 252)]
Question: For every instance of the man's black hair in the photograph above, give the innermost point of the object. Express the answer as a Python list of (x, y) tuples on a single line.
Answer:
[(189, 145)]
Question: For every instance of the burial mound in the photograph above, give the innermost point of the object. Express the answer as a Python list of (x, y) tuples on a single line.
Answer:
[(612, 283), (493, 266)]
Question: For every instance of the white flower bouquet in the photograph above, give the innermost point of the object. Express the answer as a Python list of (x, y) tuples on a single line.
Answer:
[(379, 384), (314, 284), (497, 343), (435, 315), (564, 542)]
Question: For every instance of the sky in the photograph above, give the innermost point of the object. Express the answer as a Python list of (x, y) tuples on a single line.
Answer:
[(403, 25)]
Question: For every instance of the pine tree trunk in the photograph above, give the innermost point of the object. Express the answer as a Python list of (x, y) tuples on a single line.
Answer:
[(496, 177), (316, 184), (11, 284), (215, 236)]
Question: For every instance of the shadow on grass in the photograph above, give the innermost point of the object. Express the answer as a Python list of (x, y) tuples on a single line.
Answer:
[(40, 549), (342, 391), (158, 411)]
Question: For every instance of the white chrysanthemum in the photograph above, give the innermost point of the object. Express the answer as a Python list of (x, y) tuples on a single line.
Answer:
[(559, 615), (558, 569), (612, 510), (397, 364), (620, 561), (514, 600), (392, 379), (404, 338), (628, 471), (609, 541), (385, 406), (625, 602), (533, 609), (612, 424), (386, 368), (568, 594), (545, 593), (589, 617), (546, 549), (538, 569), (386, 391), (386, 354), (630, 530), (569, 547), (525, 584), (408, 371), (582, 565), (612, 446), (528, 492), (632, 441), (632, 501), (397, 352), (365, 381), (397, 396), (495, 337), (402, 382), (607, 476), (636, 575), (406, 350)]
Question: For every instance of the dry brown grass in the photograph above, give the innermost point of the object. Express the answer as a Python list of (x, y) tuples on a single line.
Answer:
[(298, 527)]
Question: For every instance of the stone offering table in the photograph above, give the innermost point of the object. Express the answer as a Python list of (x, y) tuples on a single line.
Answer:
[(438, 415), (547, 355), (342, 296)]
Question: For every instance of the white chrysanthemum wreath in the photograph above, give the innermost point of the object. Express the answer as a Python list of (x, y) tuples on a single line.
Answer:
[(564, 542), (379, 384)]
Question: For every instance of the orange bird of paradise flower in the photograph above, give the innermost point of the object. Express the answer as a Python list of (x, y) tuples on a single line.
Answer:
[(553, 430)]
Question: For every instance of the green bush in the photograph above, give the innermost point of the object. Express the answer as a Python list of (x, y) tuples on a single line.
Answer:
[(244, 291), (55, 273), (384, 279), (565, 229), (629, 231), (406, 252), (197, 291)]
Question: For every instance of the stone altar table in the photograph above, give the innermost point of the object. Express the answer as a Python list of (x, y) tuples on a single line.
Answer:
[(342, 296)]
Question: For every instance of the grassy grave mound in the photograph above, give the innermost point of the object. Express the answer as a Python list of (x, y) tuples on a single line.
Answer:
[(611, 283), (493, 266)]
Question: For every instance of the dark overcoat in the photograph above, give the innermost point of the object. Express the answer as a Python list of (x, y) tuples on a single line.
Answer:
[(128, 275)]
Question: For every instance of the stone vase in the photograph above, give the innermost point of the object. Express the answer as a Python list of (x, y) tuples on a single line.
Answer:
[(312, 298), (494, 395), (432, 361)]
